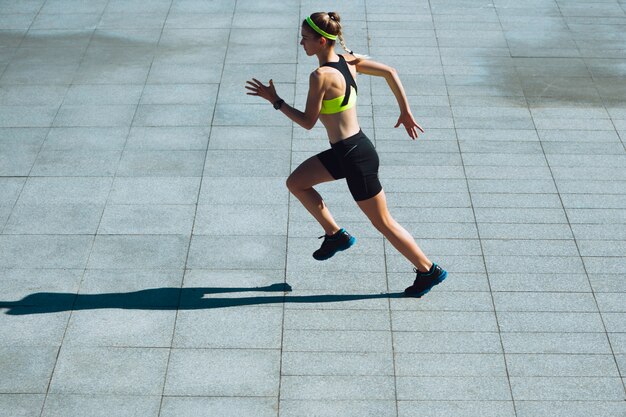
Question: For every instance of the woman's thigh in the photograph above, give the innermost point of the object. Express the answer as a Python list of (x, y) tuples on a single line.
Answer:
[(308, 174), (375, 208)]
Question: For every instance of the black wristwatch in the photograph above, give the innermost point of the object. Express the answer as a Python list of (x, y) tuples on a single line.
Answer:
[(278, 103)]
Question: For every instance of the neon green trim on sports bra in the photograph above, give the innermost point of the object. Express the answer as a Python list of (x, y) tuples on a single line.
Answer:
[(333, 106)]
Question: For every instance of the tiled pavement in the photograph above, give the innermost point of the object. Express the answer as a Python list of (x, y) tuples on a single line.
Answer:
[(146, 235)]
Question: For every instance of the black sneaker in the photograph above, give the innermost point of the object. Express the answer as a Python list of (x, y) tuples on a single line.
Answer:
[(341, 240), (424, 281)]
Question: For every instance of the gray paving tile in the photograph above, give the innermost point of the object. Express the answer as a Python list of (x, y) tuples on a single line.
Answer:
[(456, 408), (328, 408), (453, 388), (583, 201), (161, 190), (336, 341), (336, 299), (10, 189), (257, 328), (611, 302), (572, 186), (512, 186), (54, 219), (128, 252), (180, 94), (101, 405), (76, 163), (246, 163), (615, 322), (28, 95), (569, 408), (449, 365), (243, 137), (516, 215), (366, 282), (556, 343), (535, 247), (424, 321), (567, 388), (601, 248), (27, 116), (223, 406), (120, 328), (85, 139), (112, 280), (33, 326), (441, 300), (563, 302), (21, 405), (162, 163), (168, 138), (27, 370), (336, 320), (540, 264), (107, 370), (551, 201), (240, 372), (229, 279), (147, 219), (21, 251), (99, 94), (336, 364), (550, 322), (96, 73), (237, 252), (65, 190), (18, 284), (614, 264), (603, 282), (242, 190), (173, 115), (561, 366), (550, 282), (337, 388), (94, 115)]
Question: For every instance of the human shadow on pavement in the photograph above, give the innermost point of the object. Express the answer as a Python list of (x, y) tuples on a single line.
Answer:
[(170, 299)]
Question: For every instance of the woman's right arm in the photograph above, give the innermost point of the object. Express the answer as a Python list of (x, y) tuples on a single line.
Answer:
[(306, 118)]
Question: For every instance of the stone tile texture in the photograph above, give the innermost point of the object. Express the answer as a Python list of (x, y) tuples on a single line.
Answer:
[(154, 264)]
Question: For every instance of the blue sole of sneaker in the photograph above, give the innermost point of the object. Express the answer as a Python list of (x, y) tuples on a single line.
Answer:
[(426, 291), (350, 243)]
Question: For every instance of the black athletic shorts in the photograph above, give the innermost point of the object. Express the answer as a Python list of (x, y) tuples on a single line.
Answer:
[(356, 160)]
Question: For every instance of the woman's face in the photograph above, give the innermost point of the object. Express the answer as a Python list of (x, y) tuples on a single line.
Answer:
[(309, 41)]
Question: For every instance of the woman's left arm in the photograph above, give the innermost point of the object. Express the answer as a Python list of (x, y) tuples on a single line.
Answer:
[(306, 119), (390, 74)]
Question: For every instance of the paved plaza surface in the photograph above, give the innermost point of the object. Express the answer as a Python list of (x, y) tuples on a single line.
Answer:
[(152, 262)]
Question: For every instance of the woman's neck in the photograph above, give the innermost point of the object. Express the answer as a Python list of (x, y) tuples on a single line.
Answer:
[(327, 56)]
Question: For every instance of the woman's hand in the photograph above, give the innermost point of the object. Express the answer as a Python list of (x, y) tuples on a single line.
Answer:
[(410, 124), (258, 89)]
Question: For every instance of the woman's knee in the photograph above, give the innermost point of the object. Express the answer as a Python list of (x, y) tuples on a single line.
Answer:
[(382, 223), (294, 183)]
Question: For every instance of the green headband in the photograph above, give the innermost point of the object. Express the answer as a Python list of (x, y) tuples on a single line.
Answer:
[(320, 31)]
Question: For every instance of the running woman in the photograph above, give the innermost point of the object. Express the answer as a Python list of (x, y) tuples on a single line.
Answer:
[(332, 99)]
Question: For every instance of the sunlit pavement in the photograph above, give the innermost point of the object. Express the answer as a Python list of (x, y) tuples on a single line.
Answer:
[(152, 262)]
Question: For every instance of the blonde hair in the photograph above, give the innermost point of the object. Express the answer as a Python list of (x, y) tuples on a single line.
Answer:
[(330, 23)]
